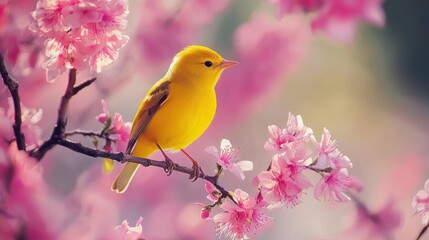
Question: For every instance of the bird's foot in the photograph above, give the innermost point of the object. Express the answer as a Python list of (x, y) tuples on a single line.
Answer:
[(196, 169), (170, 165)]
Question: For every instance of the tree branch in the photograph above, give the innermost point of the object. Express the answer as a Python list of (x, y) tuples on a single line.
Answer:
[(12, 84), (88, 133), (123, 157)]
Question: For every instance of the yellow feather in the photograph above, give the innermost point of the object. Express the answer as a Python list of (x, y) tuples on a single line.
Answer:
[(177, 109)]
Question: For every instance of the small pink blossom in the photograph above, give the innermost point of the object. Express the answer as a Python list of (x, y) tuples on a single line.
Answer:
[(238, 221), (282, 184), (288, 138), (328, 154), (205, 212), (213, 193), (228, 158), (102, 117), (120, 131), (80, 34), (420, 203), (332, 186), (130, 233)]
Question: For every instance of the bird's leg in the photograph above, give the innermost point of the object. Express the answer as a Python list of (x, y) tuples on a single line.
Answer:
[(196, 169), (170, 164)]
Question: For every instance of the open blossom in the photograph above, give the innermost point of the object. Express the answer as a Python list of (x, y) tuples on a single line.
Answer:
[(129, 233), (293, 136), (80, 34), (332, 186), (238, 221), (336, 17), (283, 184), (328, 153), (420, 203), (228, 158)]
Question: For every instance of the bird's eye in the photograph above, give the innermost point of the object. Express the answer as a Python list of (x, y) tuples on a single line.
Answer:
[(208, 63)]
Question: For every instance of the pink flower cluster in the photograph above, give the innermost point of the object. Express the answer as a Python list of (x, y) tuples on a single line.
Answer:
[(336, 17), (284, 182), (80, 33), (237, 220), (420, 203)]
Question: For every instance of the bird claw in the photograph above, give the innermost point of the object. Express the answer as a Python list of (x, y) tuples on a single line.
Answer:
[(196, 170), (170, 165)]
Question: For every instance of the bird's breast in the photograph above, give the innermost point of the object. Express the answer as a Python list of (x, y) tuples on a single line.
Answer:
[(185, 116)]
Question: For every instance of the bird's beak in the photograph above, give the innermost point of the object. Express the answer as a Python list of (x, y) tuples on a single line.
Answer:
[(226, 63)]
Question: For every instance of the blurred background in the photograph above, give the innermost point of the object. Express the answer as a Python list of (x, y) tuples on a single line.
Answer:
[(371, 92)]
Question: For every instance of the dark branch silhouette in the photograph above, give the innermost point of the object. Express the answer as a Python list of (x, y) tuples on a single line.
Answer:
[(12, 85)]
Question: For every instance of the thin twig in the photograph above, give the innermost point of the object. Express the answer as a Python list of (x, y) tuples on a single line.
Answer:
[(12, 84), (122, 157), (424, 229), (83, 85), (88, 133), (372, 217)]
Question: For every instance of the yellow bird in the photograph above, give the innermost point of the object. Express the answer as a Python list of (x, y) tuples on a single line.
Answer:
[(176, 110)]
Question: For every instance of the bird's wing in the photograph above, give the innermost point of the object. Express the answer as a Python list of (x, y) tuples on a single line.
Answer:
[(155, 98)]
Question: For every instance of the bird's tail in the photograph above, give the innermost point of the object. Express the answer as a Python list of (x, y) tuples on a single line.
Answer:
[(123, 180)]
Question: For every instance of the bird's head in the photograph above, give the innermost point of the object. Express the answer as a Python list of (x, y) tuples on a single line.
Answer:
[(199, 65)]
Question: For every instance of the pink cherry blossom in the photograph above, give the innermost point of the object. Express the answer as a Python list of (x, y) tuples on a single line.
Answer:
[(213, 193), (120, 130), (205, 212), (130, 233), (228, 158), (288, 138), (238, 221), (283, 184), (328, 153), (102, 117), (332, 186), (420, 203), (80, 34), (336, 17)]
